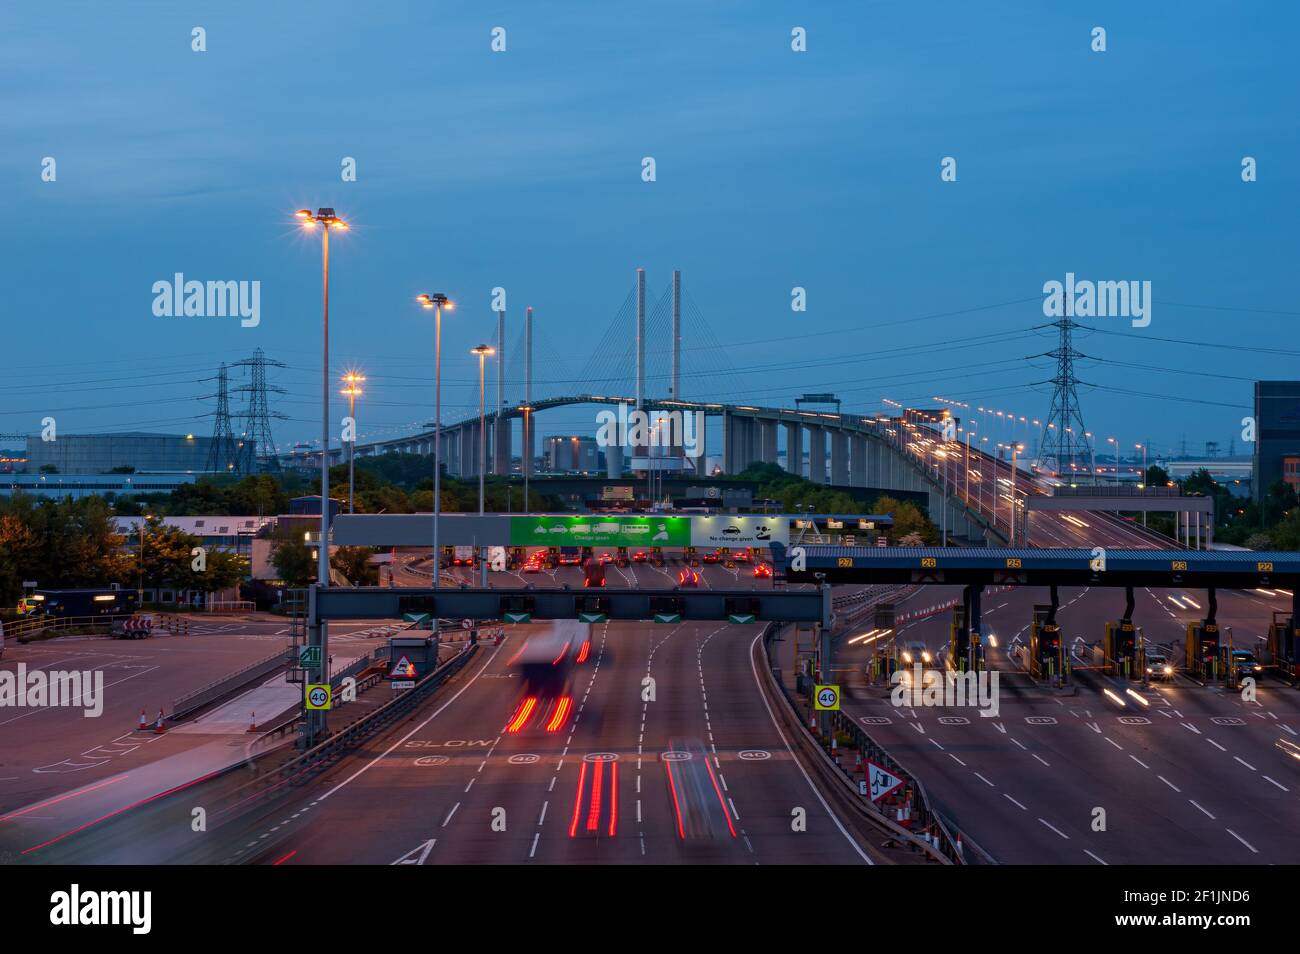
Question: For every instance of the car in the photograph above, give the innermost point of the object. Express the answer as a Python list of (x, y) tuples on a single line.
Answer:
[(713, 556), (762, 571), (688, 578), (915, 651), (533, 565), (606, 558), (1244, 663), (640, 556), (1159, 666), (741, 556)]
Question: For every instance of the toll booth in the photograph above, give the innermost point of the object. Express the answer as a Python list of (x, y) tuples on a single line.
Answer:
[(1204, 650), (689, 556), (725, 557), (657, 556), (1121, 657), (884, 656), (621, 558), (1046, 646), (1283, 642), (410, 659), (958, 639), (518, 555)]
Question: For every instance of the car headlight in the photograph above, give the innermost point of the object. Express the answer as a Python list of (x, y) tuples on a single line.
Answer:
[(925, 656), (1169, 670), (907, 657)]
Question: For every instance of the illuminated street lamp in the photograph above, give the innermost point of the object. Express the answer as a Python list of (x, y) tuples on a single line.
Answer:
[(327, 220), (1142, 482), (436, 302), (482, 351), (352, 391)]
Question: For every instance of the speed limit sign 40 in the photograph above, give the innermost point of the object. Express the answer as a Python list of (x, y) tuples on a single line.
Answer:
[(826, 698), (317, 696)]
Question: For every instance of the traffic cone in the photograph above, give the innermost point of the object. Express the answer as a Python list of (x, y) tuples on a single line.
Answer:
[(252, 722), (159, 727), (144, 724)]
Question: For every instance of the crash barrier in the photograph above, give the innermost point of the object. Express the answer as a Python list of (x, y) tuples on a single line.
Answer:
[(191, 702), (904, 810)]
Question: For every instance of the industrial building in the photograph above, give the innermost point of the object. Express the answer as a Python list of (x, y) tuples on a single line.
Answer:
[(572, 455), (1277, 436), (76, 486), (102, 453)]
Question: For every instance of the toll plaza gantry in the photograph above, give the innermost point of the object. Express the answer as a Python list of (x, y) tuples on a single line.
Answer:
[(975, 568), (526, 604)]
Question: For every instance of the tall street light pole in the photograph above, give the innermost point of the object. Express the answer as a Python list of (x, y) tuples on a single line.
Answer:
[(482, 351), (524, 463), (318, 631), (436, 302), (327, 219), (352, 391)]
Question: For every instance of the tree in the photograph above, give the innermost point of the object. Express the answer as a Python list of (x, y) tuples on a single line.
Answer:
[(353, 563), (1156, 476), (292, 559)]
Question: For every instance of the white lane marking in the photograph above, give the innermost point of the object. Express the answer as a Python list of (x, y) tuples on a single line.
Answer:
[(1041, 759), (1139, 762), (786, 742), (449, 814), (984, 780), (1170, 784), (1211, 817), (1091, 855), (403, 739), (1278, 784), (1242, 840), (1014, 802), (1244, 762), (957, 760), (1216, 745), (1054, 828)]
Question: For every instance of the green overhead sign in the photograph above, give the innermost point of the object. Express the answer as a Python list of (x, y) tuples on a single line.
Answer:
[(600, 531)]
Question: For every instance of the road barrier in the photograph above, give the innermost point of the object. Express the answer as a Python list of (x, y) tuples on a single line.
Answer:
[(906, 814), (306, 766)]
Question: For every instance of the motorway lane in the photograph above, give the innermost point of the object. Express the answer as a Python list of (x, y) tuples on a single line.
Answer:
[(379, 808), (1159, 780)]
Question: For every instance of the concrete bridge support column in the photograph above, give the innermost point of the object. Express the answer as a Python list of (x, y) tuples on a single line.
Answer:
[(614, 462), (794, 448), (858, 460), (839, 458), (501, 449), (767, 432), (817, 454)]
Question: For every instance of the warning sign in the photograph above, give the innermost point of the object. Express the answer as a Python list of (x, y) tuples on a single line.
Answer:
[(880, 782), (402, 669)]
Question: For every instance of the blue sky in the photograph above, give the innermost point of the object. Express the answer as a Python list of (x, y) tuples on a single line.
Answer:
[(522, 169)]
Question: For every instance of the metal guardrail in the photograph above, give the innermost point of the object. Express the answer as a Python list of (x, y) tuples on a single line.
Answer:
[(321, 756), (936, 838)]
